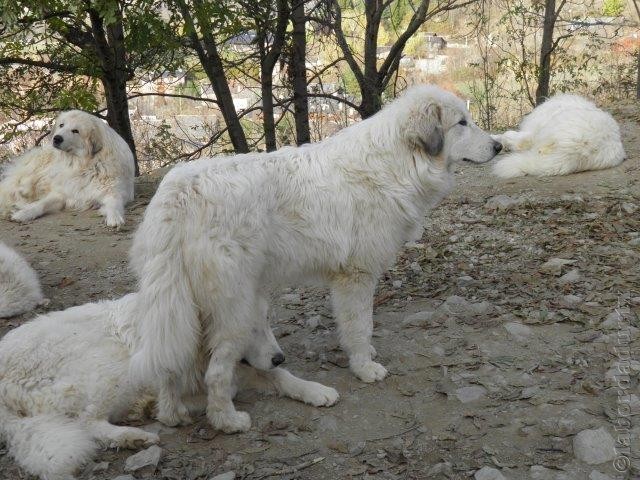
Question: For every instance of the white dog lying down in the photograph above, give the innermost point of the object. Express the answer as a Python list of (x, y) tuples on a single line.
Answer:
[(19, 286), (88, 165), (220, 233), (565, 134), (64, 380)]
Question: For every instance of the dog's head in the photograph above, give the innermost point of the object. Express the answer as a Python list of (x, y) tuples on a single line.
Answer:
[(77, 133), (263, 351), (438, 123)]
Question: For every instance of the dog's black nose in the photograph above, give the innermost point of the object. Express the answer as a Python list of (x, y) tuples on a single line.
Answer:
[(57, 140), (277, 359), (497, 147)]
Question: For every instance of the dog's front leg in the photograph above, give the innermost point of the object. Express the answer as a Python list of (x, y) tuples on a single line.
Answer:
[(288, 385), (221, 390), (352, 297), (112, 208)]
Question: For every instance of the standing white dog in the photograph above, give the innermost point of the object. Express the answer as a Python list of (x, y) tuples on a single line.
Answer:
[(64, 380), (220, 233), (565, 134), (19, 286), (88, 165)]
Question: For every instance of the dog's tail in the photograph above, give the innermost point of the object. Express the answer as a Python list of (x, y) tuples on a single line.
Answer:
[(167, 317), (52, 447)]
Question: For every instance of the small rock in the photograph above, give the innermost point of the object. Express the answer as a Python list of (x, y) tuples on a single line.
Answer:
[(482, 308), (443, 468), (464, 280), (501, 202), (397, 284), (628, 207), (291, 298), (144, 458), (538, 472), (554, 266), (571, 197), (100, 467), (124, 477), (518, 331), (634, 242), (456, 306), (594, 446), (571, 300), (225, 476), (470, 394), (415, 268), (488, 473), (596, 475), (572, 276), (313, 322), (419, 319)]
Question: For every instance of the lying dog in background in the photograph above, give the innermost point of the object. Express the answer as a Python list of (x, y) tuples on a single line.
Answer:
[(19, 286), (64, 380), (88, 165), (565, 134), (220, 233)]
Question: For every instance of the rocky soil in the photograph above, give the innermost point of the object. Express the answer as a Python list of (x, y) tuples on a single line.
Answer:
[(510, 332)]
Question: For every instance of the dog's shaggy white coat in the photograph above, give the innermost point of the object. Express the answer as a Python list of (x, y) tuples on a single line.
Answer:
[(87, 165), (64, 380), (219, 234), (19, 285), (565, 134)]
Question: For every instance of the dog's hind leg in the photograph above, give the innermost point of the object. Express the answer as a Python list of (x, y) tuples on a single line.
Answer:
[(114, 436), (288, 385), (514, 141), (171, 409), (53, 202), (352, 297), (221, 390)]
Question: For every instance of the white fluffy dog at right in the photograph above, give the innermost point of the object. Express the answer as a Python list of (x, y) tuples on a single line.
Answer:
[(20, 289), (86, 165), (566, 134), (64, 382)]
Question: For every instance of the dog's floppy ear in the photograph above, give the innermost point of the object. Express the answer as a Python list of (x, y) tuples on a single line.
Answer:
[(425, 131), (95, 140)]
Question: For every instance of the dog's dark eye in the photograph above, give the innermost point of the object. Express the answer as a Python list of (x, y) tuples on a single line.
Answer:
[(61, 125), (462, 122), (74, 131)]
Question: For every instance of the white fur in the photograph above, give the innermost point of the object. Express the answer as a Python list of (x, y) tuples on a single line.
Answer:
[(565, 134), (220, 233), (19, 286), (64, 377), (92, 167)]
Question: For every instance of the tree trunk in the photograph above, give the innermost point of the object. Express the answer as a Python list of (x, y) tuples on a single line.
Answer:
[(638, 74), (212, 64), (268, 121), (546, 48), (371, 102), (110, 48), (299, 73)]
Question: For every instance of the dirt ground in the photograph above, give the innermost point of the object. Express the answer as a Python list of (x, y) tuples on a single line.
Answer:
[(497, 358)]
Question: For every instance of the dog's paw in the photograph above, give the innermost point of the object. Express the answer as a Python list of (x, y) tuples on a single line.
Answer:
[(369, 371), (320, 395), (114, 219), (134, 438), (173, 418), (233, 422), (24, 215)]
